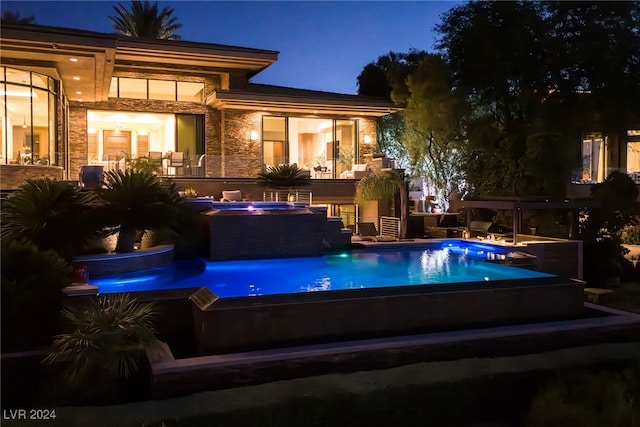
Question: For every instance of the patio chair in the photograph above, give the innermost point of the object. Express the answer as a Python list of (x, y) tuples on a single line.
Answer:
[(368, 231), (176, 161), (155, 158), (231, 196)]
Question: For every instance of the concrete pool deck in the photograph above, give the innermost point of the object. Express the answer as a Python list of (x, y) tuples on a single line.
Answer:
[(191, 375)]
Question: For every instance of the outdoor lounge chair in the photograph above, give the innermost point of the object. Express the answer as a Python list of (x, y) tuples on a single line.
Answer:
[(231, 196), (367, 231)]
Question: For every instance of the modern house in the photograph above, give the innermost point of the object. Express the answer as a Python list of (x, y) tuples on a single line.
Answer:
[(73, 98)]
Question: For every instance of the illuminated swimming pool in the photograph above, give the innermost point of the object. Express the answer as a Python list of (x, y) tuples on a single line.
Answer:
[(438, 263)]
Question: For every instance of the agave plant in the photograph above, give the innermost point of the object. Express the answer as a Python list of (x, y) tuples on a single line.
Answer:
[(107, 337), (284, 176), (53, 214), (385, 185), (138, 200)]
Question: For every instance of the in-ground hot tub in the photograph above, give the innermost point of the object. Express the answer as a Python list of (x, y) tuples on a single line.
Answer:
[(252, 230)]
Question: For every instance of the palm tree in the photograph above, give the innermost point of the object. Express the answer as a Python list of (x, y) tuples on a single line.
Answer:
[(144, 21), (105, 343), (9, 17), (284, 176), (382, 185), (137, 200)]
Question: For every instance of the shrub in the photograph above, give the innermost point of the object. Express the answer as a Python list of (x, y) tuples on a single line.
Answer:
[(32, 282), (106, 343), (52, 214), (605, 398)]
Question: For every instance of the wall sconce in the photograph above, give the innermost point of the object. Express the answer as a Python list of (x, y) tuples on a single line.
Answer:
[(253, 135), (367, 139)]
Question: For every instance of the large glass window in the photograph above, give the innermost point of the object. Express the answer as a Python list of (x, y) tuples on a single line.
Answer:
[(132, 88), (594, 158), (28, 122), (163, 90), (274, 141), (325, 147), (633, 151), (114, 136)]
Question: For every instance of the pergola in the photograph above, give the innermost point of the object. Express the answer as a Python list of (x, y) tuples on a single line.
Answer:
[(518, 204)]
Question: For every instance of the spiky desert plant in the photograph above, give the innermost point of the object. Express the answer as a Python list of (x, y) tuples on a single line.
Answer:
[(284, 176), (107, 335), (53, 214), (385, 185), (138, 200)]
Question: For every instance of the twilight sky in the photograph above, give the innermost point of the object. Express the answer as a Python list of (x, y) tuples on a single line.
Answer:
[(323, 45)]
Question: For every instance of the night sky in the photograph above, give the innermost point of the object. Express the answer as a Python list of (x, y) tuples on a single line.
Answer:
[(323, 45)]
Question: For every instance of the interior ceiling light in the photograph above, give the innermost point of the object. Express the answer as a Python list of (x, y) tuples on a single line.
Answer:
[(73, 59), (24, 122), (76, 78)]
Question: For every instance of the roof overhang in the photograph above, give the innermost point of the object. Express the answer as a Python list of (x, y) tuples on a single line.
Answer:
[(306, 102), (84, 63), (528, 204), (179, 56), (49, 50)]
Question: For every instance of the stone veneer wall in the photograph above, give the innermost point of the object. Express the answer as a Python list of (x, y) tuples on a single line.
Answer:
[(367, 127), (13, 176), (78, 141), (242, 157)]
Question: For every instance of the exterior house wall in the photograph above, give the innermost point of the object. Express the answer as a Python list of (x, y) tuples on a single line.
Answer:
[(242, 156), (366, 127), (78, 140), (78, 145)]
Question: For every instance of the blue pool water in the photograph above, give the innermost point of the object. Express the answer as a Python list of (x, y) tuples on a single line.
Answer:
[(439, 263)]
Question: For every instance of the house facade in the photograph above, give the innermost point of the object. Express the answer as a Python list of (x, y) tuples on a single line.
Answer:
[(74, 98)]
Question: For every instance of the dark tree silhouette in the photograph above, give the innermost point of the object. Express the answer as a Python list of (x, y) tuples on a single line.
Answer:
[(145, 21)]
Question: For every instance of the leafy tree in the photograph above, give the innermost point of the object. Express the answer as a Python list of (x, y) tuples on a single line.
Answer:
[(145, 21), (388, 73), (533, 68), (9, 17), (380, 79), (601, 228), (433, 128)]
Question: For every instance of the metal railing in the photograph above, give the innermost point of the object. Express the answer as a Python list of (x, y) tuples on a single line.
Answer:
[(301, 196)]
